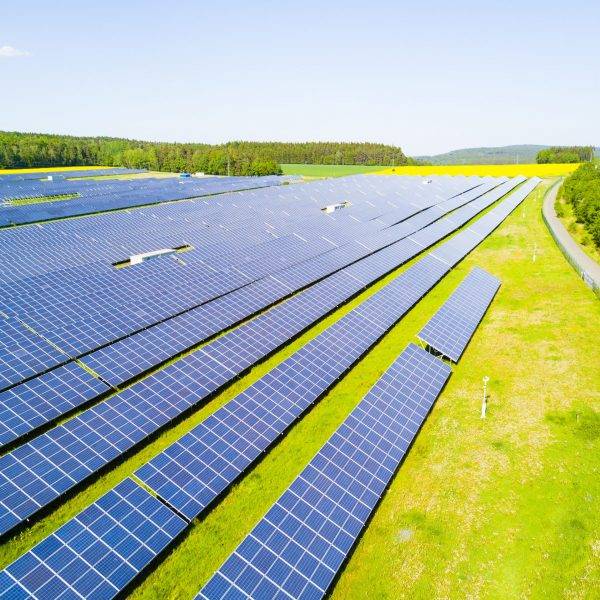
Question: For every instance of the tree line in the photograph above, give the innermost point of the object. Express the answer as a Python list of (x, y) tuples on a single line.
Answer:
[(24, 150), (565, 154), (582, 190)]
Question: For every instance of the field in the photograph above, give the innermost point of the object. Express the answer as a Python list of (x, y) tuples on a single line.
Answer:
[(45, 169), (328, 170), (533, 170), (499, 508)]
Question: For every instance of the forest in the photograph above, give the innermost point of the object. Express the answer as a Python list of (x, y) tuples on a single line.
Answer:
[(565, 154), (582, 191), (24, 150)]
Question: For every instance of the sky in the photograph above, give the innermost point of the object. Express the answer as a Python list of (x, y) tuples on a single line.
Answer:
[(427, 76)]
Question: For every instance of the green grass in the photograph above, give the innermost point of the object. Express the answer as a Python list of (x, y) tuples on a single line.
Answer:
[(327, 170), (41, 199), (501, 508)]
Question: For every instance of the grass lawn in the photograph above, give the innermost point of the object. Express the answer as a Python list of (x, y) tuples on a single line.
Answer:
[(504, 507), (577, 230), (328, 170)]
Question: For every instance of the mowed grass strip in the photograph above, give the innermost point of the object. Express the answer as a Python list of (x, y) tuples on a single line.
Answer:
[(41, 199), (488, 508)]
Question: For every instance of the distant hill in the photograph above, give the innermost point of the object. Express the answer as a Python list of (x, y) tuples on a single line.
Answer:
[(522, 153)]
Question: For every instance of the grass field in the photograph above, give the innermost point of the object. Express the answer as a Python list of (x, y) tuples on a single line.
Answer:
[(327, 170), (500, 508), (486, 170)]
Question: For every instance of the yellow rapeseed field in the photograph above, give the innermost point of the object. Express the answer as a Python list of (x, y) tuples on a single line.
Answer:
[(549, 170), (45, 169)]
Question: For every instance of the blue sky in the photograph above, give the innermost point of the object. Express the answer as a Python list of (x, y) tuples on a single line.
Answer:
[(428, 76)]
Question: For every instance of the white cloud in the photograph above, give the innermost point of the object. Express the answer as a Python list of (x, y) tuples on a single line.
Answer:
[(10, 52)]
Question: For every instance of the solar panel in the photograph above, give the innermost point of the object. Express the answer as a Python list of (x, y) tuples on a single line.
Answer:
[(117, 304), (123, 360), (453, 325), (40, 471), (23, 353), (37, 402), (98, 552), (296, 550), (96, 196)]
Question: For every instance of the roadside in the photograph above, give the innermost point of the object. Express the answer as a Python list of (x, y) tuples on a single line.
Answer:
[(588, 269), (564, 211)]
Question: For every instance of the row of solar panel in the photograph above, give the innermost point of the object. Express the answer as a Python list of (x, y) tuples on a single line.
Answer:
[(297, 549), (19, 214), (450, 329), (38, 472), (35, 403)]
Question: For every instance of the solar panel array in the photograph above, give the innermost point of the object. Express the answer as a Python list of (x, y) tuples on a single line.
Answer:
[(192, 472), (451, 328), (298, 547), (38, 472), (105, 195), (123, 360), (23, 353), (71, 294), (97, 553)]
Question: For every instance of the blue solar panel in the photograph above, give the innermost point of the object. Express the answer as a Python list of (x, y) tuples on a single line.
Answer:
[(451, 328), (98, 552), (132, 356), (40, 471), (192, 472), (90, 304), (96, 196), (37, 402), (23, 353), (296, 550)]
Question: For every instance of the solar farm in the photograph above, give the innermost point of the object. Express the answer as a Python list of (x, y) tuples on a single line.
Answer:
[(261, 387)]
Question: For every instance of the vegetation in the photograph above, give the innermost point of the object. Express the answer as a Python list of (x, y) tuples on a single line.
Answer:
[(565, 154), (329, 170), (41, 199), (533, 170), (582, 191), (564, 211), (462, 517), (23, 150)]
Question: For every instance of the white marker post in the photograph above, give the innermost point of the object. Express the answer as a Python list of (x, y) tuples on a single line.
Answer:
[(484, 401)]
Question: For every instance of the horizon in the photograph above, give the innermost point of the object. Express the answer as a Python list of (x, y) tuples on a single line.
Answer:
[(427, 79), (306, 141)]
